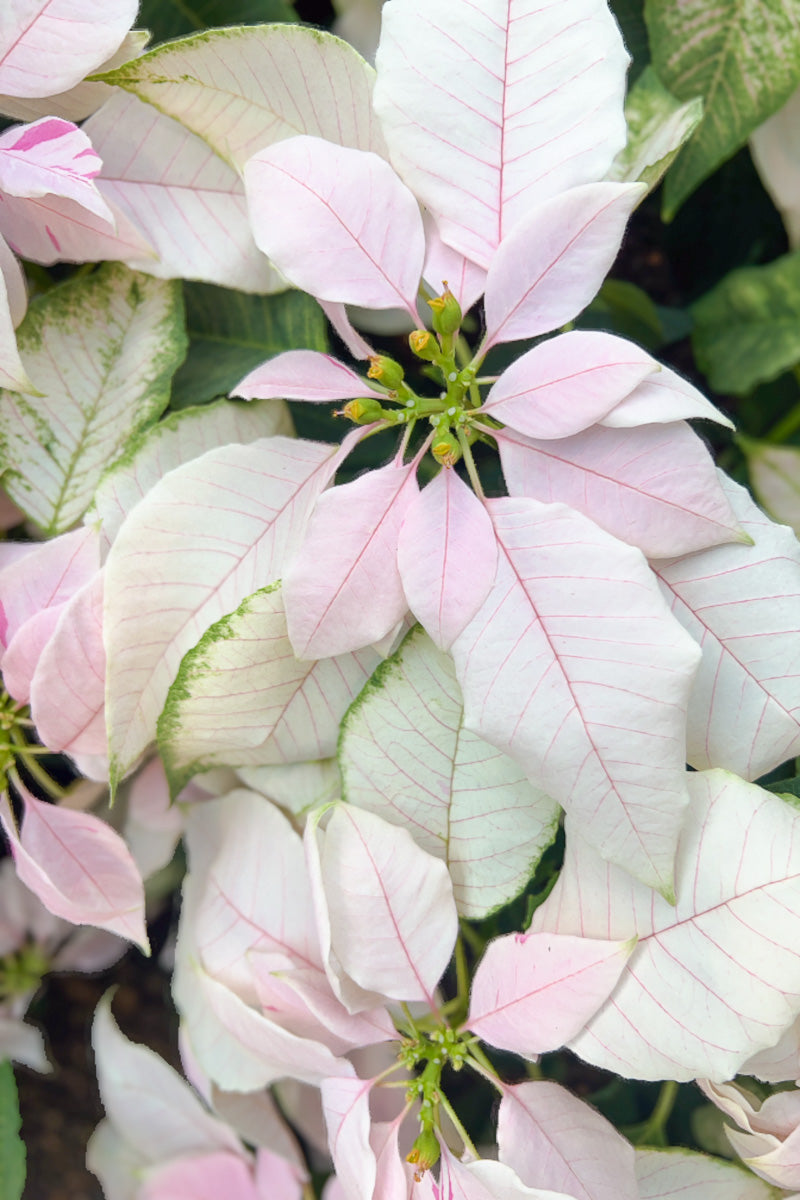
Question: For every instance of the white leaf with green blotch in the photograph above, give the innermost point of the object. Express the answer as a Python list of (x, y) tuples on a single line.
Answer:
[(209, 534), (404, 754), (176, 440), (741, 56), (658, 125), (665, 1174), (775, 476), (747, 328), (101, 350), (242, 89), (297, 787), (241, 698)]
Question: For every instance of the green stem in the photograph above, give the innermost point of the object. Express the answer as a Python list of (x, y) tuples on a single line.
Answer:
[(474, 940), (26, 753), (486, 1071), (789, 424), (462, 973), (469, 463), (457, 1125), (464, 358), (652, 1132)]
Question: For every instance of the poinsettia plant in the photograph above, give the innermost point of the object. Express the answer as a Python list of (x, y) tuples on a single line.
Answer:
[(384, 567)]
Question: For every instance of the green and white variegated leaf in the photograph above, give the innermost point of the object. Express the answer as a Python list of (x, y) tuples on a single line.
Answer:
[(241, 698), (242, 89), (747, 328), (404, 754), (178, 439), (741, 56), (658, 125), (297, 787), (775, 477), (12, 1147), (101, 350), (665, 1174)]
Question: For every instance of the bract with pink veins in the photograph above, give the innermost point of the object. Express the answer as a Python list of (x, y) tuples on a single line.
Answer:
[(250, 981), (768, 1137), (158, 1140)]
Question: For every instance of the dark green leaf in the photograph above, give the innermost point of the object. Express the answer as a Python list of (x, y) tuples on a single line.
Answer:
[(176, 18), (630, 17), (231, 333), (12, 1147), (747, 329)]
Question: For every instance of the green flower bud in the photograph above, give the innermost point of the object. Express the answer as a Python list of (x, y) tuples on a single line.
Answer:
[(425, 1153), (446, 448), (424, 345), (364, 410), (446, 312), (385, 370)]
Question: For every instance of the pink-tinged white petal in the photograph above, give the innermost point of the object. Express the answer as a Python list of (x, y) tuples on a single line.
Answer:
[(76, 103), (16, 289), (208, 534), (715, 977), (654, 486), (480, 1180), (345, 1103), (553, 1140), (490, 109), (665, 1174), (447, 555), (663, 398), (67, 693), (532, 992), (389, 905), (199, 1177), (309, 1007), (553, 262), (238, 1047), (256, 896), (153, 825), (160, 1116), (51, 157), (78, 866), (21, 658), (567, 383), (337, 222), (446, 267), (47, 46), (23, 1043), (53, 229), (188, 203), (13, 303), (46, 576), (277, 1179), (304, 375), (338, 316), (740, 603), (574, 667), (343, 590)]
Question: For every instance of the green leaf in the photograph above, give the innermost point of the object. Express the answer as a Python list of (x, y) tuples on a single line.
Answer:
[(176, 18), (12, 1147), (241, 698), (747, 329), (630, 18), (741, 56), (231, 332), (101, 350), (658, 125)]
